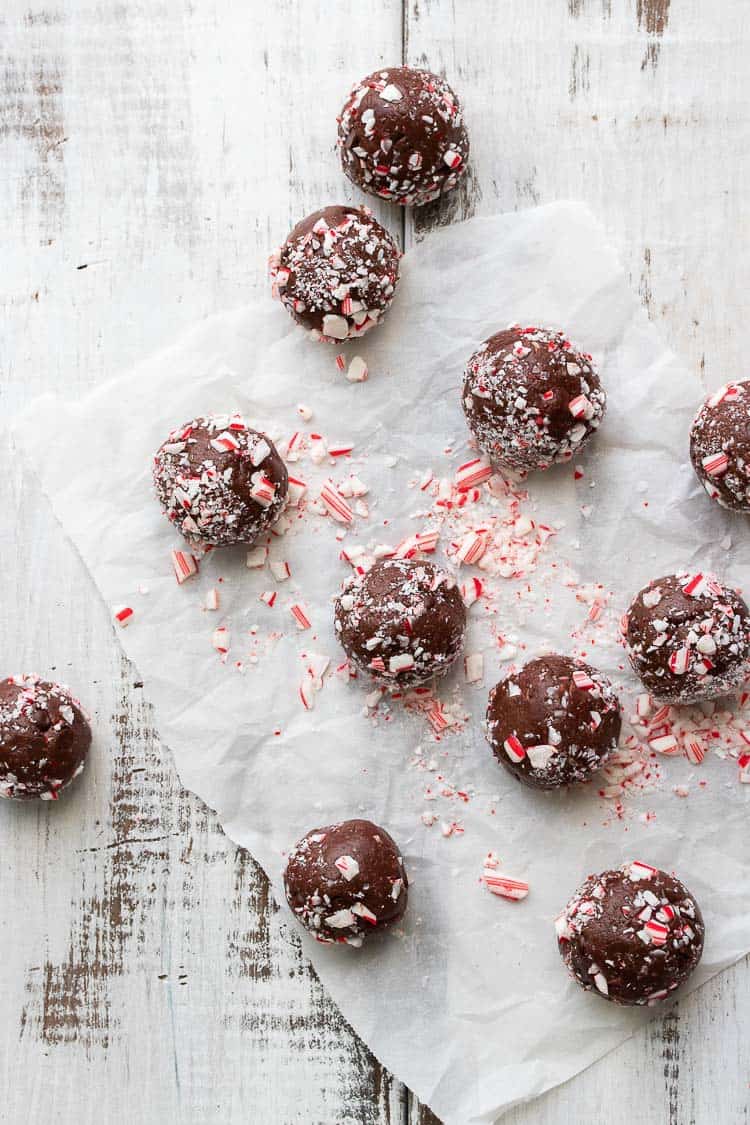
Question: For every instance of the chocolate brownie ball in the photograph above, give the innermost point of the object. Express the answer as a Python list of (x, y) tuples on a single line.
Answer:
[(44, 738), (403, 621), (554, 722), (688, 637), (720, 446), (346, 881), (632, 935), (531, 399), (402, 136), (336, 273), (219, 481)]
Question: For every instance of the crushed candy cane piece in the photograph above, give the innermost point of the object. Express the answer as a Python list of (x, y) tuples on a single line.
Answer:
[(471, 590), (348, 867), (335, 504), (358, 371), (296, 490), (715, 464), (280, 569), (299, 613), (639, 870), (503, 886), (473, 473), (514, 749), (262, 490), (471, 547), (184, 566), (363, 911), (220, 639)]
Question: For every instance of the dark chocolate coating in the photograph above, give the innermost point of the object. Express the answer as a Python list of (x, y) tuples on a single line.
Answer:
[(365, 893), (686, 646), (44, 738), (402, 136), (401, 609), (531, 399), (720, 446), (337, 272), (566, 731), (632, 935), (207, 490)]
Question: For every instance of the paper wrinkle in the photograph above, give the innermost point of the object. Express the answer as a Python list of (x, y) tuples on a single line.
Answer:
[(469, 1002)]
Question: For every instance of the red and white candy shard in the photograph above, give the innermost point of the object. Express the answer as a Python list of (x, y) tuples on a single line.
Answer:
[(715, 464), (362, 911), (280, 569), (473, 473), (335, 504), (123, 615), (184, 565), (299, 612), (503, 886), (220, 639), (514, 749), (357, 371), (348, 867), (638, 870)]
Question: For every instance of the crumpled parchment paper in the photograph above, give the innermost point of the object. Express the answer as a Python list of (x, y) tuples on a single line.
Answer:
[(469, 1002)]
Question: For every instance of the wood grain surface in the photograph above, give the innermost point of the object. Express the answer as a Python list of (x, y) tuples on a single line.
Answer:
[(151, 153)]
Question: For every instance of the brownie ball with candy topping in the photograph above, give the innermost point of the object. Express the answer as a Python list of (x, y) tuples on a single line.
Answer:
[(720, 446), (554, 722), (336, 273), (402, 136), (688, 637), (403, 621), (531, 399), (44, 738), (346, 881), (219, 481), (633, 935)]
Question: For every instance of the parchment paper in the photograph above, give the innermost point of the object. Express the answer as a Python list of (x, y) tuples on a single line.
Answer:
[(469, 1003)]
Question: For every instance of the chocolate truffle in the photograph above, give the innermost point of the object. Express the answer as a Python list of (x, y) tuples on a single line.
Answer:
[(688, 637), (336, 273), (720, 446), (44, 738), (346, 881), (554, 722), (220, 482), (402, 136), (402, 622), (531, 399), (632, 935)]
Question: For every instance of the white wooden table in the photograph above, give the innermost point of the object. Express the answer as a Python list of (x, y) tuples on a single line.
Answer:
[(151, 152)]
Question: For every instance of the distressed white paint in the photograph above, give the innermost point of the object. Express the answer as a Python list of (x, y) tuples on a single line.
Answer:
[(167, 146)]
